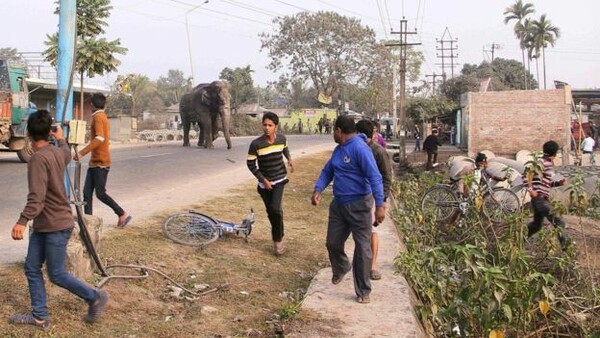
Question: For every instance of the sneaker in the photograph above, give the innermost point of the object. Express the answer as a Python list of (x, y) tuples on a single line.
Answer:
[(435, 164), (96, 307)]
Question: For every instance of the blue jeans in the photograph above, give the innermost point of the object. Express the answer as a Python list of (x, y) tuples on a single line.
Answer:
[(51, 247)]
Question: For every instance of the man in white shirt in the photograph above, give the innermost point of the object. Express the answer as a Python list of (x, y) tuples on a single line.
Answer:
[(588, 145)]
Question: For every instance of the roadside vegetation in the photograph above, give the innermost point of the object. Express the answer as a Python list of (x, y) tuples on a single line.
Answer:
[(475, 279)]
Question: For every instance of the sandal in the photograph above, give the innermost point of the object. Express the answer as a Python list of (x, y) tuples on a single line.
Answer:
[(363, 299), (124, 222), (29, 319), (335, 280), (375, 275)]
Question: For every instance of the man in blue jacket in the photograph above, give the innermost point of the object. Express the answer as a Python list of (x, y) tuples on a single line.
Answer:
[(357, 182)]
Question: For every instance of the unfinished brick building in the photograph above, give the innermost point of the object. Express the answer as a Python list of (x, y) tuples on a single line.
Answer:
[(508, 121)]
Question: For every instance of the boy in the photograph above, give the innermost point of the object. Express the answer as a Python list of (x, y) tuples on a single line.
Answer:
[(539, 190), (265, 162), (49, 208)]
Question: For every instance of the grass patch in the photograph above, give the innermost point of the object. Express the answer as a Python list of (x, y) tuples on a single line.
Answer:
[(258, 294)]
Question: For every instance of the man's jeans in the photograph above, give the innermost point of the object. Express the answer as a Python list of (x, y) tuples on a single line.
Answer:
[(96, 180), (51, 247)]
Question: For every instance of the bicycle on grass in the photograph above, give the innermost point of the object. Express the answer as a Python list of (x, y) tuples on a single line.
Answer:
[(197, 229), (442, 201)]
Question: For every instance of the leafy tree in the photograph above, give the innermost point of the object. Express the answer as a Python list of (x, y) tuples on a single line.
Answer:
[(142, 94), (505, 75), (518, 12), (13, 56), (420, 109), (93, 55), (543, 33), (173, 86), (242, 84), (325, 48), (376, 96)]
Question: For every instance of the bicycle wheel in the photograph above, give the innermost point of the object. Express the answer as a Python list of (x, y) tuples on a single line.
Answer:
[(441, 202), (191, 229), (502, 203)]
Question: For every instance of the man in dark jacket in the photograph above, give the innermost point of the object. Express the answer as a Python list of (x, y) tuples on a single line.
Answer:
[(430, 145)]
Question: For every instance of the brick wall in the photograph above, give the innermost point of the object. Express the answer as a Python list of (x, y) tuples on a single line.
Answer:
[(508, 121)]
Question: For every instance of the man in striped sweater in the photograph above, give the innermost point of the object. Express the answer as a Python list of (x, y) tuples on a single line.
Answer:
[(265, 161), (539, 190)]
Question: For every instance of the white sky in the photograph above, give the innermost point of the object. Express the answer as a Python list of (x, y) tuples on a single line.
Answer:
[(224, 33)]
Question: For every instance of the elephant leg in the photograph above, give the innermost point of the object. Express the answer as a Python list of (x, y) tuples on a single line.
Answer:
[(215, 126), (201, 142), (186, 133), (207, 127)]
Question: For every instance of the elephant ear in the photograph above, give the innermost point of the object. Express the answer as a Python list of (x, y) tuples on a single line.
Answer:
[(185, 103), (206, 96)]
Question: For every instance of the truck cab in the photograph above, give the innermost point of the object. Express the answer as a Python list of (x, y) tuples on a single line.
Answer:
[(14, 110)]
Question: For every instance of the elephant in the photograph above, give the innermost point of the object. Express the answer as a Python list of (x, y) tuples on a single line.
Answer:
[(206, 104)]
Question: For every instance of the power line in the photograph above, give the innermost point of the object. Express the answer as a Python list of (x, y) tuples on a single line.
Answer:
[(381, 18), (297, 7)]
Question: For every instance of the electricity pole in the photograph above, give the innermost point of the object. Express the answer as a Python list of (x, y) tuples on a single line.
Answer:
[(187, 31), (444, 43), (434, 81), (403, 44)]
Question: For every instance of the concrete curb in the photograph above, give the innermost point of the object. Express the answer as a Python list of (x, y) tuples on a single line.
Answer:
[(390, 312)]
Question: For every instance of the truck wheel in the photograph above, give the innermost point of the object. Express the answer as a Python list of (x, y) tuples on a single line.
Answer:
[(25, 153)]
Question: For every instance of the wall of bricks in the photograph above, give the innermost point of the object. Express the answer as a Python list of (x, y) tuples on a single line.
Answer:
[(508, 121)]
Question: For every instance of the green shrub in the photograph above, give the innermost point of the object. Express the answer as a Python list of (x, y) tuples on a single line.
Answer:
[(473, 278)]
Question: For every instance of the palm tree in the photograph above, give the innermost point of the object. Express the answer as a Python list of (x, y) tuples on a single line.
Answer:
[(542, 34), (519, 11)]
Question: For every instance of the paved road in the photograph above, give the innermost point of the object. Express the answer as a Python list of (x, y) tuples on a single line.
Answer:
[(146, 178)]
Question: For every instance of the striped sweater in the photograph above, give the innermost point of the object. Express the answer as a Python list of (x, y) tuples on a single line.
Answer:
[(265, 160), (542, 184)]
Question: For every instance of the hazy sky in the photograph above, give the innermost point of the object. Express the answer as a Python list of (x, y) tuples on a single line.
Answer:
[(224, 33)]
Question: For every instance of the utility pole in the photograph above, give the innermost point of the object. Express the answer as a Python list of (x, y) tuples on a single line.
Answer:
[(433, 81), (187, 31), (403, 44), (447, 49), (492, 49)]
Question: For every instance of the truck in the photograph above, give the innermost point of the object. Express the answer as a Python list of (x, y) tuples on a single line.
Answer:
[(15, 108)]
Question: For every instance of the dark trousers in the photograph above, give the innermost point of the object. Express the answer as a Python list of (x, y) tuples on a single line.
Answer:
[(355, 218), (96, 180), (272, 199), (542, 209), (417, 144), (51, 248), (431, 158)]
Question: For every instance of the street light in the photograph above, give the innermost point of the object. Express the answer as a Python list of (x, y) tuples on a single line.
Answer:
[(187, 29)]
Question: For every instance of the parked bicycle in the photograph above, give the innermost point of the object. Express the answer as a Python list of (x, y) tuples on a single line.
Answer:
[(443, 201), (197, 229)]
